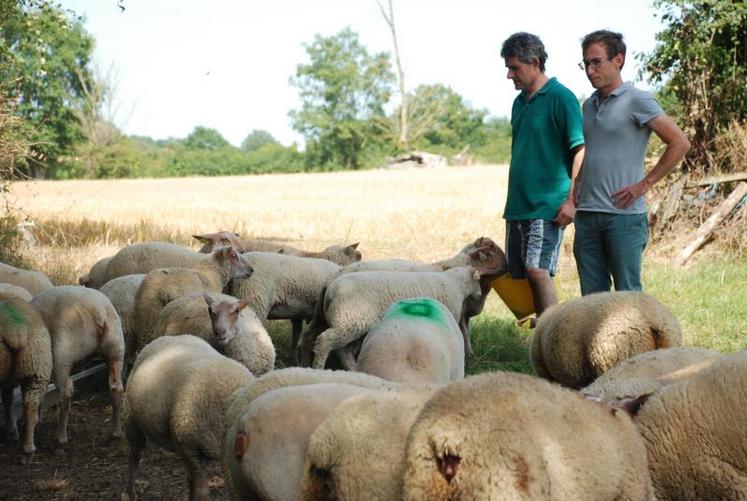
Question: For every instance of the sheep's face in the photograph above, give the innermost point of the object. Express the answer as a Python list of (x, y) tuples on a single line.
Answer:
[(224, 318), (240, 267), (342, 255)]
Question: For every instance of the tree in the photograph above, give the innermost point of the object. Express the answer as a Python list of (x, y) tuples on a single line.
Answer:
[(448, 119), (46, 51), (701, 55), (256, 139), (405, 110), (343, 90), (203, 138)]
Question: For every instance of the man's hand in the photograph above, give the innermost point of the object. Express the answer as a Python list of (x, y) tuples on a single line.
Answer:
[(623, 197), (565, 214)]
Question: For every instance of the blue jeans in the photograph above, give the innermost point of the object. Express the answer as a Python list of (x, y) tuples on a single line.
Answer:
[(609, 247), (532, 243)]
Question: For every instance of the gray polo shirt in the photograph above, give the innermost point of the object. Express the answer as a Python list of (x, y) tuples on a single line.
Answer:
[(616, 138)]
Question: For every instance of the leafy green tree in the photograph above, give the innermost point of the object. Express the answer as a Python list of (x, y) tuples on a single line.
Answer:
[(46, 53), (701, 55), (204, 138), (453, 122), (256, 139), (274, 157), (343, 90)]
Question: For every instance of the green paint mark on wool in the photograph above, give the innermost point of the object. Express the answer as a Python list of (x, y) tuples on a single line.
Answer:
[(9, 314), (423, 308)]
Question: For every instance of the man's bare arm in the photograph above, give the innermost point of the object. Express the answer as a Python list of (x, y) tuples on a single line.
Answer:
[(565, 214)]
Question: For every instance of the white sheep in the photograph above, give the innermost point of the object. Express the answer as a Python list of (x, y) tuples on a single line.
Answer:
[(512, 436), (15, 290), (578, 340), (358, 452), (355, 302), (339, 254), (82, 323), (33, 281), (161, 286), (223, 321), (121, 292), (647, 373), (25, 360), (268, 424), (97, 275), (176, 398), (694, 433), (284, 287), (147, 256), (416, 341)]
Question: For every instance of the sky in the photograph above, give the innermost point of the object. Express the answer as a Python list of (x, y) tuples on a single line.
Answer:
[(226, 64)]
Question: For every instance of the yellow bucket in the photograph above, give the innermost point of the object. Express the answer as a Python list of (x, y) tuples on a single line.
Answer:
[(516, 293)]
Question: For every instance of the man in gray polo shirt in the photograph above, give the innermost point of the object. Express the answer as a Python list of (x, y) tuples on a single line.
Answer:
[(611, 222)]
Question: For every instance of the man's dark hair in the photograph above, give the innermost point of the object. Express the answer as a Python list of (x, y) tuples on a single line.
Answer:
[(525, 47), (613, 42)]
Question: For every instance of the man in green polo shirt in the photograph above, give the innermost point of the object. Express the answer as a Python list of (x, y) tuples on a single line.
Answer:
[(547, 148)]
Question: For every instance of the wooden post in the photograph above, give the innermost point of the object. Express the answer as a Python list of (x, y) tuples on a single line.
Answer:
[(707, 228)]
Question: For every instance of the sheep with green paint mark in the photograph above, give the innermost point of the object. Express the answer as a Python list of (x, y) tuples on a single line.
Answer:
[(25, 360), (417, 341)]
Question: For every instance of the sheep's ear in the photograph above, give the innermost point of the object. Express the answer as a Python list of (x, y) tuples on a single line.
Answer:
[(236, 234), (281, 251), (208, 299), (350, 248), (475, 274), (477, 255), (632, 405), (241, 304), (203, 238)]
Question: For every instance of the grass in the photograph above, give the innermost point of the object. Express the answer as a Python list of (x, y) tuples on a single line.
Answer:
[(413, 214)]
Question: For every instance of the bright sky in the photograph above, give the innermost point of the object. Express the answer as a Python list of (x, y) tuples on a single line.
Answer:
[(225, 64)]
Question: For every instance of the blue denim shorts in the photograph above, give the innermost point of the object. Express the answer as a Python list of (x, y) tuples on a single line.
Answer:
[(532, 243)]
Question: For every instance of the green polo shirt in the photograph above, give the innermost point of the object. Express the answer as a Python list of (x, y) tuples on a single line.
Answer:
[(544, 129)]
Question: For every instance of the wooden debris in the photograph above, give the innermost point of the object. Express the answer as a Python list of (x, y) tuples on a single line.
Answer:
[(727, 178), (707, 228)]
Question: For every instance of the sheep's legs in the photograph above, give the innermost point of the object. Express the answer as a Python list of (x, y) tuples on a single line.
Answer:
[(11, 421), (33, 392), (196, 477), (464, 327), (136, 442), (331, 339), (116, 390), (297, 324), (346, 356), (65, 384)]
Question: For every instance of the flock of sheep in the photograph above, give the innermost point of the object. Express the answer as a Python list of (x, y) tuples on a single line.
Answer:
[(619, 410)]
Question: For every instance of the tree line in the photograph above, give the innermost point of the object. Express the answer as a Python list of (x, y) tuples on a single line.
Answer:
[(56, 107)]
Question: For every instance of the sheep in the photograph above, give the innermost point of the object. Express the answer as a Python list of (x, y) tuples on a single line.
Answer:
[(15, 290), (25, 359), (223, 321), (339, 254), (82, 322), (33, 281), (284, 287), (354, 302), (513, 436), (416, 341), (176, 398), (97, 276), (268, 424), (121, 292), (147, 256), (577, 341), (161, 286), (693, 430), (358, 452), (647, 373)]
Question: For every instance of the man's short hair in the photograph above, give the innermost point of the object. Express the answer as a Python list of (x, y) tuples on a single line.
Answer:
[(526, 47), (612, 41)]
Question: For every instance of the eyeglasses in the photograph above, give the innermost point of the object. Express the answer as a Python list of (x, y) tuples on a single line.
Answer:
[(594, 63)]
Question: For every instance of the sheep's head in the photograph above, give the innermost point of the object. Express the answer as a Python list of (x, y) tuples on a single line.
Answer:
[(212, 241), (239, 265), (224, 317), (342, 255)]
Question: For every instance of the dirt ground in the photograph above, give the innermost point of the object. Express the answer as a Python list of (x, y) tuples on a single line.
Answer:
[(93, 467)]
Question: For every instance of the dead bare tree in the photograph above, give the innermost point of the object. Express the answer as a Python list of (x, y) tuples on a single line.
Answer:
[(403, 125)]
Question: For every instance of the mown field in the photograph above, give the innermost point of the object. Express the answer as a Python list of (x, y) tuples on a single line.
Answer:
[(414, 214)]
